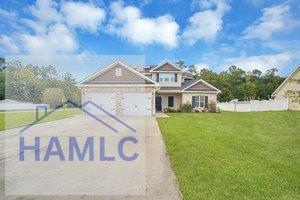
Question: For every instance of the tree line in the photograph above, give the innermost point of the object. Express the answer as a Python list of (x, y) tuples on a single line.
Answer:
[(236, 83), (43, 84), (36, 84)]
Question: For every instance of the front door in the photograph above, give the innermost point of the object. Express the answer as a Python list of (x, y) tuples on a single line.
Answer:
[(158, 103)]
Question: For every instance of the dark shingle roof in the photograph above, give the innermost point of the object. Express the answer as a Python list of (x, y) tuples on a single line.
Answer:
[(187, 83)]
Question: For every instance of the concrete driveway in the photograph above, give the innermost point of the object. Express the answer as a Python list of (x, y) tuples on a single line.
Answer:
[(151, 177)]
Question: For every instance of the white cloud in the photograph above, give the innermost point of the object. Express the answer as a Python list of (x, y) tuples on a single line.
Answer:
[(82, 15), (201, 66), (7, 14), (262, 62), (7, 45), (46, 11), (49, 33), (203, 4), (145, 2), (58, 39), (208, 23), (282, 45), (127, 22), (273, 20), (51, 27), (37, 26)]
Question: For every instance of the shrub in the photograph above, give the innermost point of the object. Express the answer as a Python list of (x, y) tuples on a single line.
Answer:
[(197, 111), (172, 110), (212, 106), (169, 110), (186, 107), (53, 96)]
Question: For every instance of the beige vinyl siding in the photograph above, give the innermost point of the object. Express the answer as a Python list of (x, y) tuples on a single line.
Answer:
[(199, 86), (166, 67), (110, 77)]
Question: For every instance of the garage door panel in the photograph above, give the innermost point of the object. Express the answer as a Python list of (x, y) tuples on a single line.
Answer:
[(107, 101), (136, 103)]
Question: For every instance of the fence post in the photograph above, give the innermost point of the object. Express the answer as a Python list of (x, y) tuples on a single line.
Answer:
[(234, 106)]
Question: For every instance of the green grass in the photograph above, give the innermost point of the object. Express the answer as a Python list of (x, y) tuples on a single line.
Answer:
[(235, 155), (11, 120)]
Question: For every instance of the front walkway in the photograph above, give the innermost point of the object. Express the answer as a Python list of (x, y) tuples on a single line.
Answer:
[(161, 114)]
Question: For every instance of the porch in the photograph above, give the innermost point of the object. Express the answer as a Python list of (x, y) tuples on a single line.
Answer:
[(172, 100), (167, 100)]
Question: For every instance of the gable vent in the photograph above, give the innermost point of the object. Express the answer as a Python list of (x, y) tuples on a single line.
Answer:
[(118, 72)]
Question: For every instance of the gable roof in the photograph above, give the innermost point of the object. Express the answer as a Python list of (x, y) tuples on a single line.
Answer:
[(187, 83), (297, 69), (176, 68), (115, 63), (193, 82)]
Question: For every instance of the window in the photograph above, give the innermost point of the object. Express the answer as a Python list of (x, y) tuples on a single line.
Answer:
[(118, 72), (166, 77), (199, 101), (171, 101)]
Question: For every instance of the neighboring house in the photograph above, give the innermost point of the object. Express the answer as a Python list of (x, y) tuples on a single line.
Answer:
[(290, 88), (123, 90)]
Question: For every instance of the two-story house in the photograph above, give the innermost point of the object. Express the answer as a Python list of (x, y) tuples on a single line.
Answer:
[(123, 90)]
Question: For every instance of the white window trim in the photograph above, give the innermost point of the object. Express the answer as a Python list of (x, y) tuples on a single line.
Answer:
[(118, 71), (199, 100), (166, 77)]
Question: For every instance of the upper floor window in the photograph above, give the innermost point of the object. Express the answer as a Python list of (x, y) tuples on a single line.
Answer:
[(118, 72), (166, 77)]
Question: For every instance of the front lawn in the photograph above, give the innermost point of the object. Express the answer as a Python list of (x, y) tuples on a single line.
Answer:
[(10, 120), (235, 155)]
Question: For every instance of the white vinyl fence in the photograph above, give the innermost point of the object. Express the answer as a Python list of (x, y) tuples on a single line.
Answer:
[(11, 105), (254, 105)]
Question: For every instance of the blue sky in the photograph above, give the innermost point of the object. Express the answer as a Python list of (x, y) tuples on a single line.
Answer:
[(209, 33)]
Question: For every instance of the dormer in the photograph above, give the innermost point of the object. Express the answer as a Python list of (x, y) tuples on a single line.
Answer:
[(167, 74)]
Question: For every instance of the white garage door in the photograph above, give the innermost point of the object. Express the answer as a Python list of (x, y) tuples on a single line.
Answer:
[(106, 100), (138, 103)]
